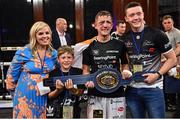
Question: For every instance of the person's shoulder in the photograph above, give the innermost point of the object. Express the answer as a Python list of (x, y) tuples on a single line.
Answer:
[(54, 53), (116, 41), (67, 34), (177, 30), (127, 33), (156, 34), (24, 52), (76, 70), (25, 49), (55, 72), (92, 43), (113, 33), (54, 31), (152, 29), (91, 39)]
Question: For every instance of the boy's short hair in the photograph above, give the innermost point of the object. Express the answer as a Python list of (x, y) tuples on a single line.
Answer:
[(167, 17), (65, 48)]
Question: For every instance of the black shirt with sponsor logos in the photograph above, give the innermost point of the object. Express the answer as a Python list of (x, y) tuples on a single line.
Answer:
[(105, 55), (146, 47)]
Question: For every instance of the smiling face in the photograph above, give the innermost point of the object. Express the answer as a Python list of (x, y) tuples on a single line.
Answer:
[(43, 37), (40, 35), (65, 60), (135, 17)]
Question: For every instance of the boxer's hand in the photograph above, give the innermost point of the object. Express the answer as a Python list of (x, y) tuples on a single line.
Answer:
[(126, 74), (89, 84)]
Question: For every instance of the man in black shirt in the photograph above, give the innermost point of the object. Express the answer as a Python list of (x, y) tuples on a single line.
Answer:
[(144, 47), (105, 52)]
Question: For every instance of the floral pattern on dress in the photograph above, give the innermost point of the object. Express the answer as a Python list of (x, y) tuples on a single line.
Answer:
[(22, 77)]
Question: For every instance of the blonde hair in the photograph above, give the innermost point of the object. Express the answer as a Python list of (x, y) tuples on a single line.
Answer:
[(65, 48), (32, 34)]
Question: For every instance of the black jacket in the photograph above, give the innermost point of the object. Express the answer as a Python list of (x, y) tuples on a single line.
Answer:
[(56, 41)]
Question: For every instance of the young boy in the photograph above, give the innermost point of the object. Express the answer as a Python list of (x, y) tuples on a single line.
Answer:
[(68, 97)]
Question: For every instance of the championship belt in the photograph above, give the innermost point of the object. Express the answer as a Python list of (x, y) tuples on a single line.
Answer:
[(106, 80)]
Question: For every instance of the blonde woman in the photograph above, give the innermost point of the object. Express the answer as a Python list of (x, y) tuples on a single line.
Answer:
[(29, 67)]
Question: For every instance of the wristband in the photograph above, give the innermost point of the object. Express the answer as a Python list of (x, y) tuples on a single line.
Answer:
[(160, 75)]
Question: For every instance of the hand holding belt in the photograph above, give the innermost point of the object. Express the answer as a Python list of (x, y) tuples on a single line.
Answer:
[(138, 76), (106, 80)]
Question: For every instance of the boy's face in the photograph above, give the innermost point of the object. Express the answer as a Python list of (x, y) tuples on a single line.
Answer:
[(66, 60)]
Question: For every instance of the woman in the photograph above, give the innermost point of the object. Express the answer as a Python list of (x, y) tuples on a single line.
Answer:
[(29, 67)]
